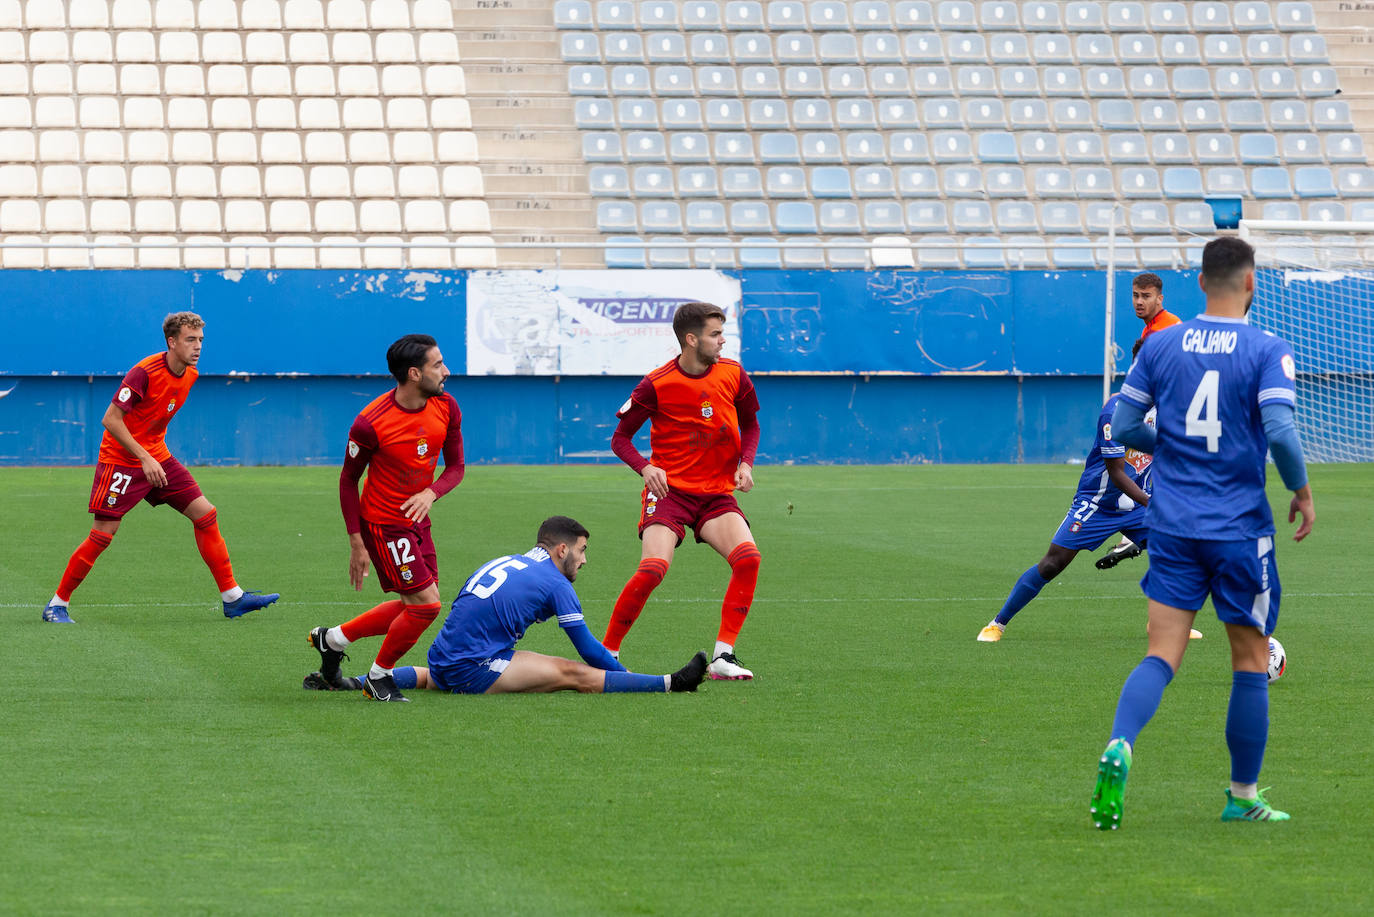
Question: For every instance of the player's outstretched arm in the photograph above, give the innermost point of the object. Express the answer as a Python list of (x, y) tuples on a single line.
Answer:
[(1286, 448), (590, 648), (152, 468), (1129, 427), (1116, 471)]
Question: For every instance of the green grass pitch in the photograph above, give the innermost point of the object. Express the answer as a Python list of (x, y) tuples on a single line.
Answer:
[(160, 759)]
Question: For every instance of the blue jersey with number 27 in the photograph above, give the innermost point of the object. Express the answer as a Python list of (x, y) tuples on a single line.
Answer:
[(498, 602), (1207, 379), (1095, 485)]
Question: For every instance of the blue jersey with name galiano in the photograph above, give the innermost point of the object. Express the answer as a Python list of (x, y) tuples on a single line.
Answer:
[(499, 602), (1095, 485), (1207, 379)]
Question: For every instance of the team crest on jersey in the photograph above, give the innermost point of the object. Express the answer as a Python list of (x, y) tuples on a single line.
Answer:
[(111, 500), (422, 447), (1289, 369), (1075, 527), (1107, 432), (650, 504), (171, 406), (707, 410), (352, 449), (406, 573), (125, 394)]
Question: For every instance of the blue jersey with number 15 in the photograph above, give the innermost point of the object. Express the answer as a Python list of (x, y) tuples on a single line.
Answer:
[(1207, 378)]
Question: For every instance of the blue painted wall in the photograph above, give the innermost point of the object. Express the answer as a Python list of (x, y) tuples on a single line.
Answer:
[(851, 366)]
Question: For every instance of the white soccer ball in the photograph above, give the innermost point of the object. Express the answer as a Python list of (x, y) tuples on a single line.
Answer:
[(1278, 660)]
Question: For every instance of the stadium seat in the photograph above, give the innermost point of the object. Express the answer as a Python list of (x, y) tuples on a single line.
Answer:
[(706, 217), (1313, 181), (1082, 147), (1215, 149), (903, 147), (1245, 115), (1182, 182), (623, 47), (831, 182), (1324, 211), (915, 181), (1194, 217), (839, 216), (697, 181), (878, 48), (1016, 217), (886, 217), (1340, 148), (1333, 116), (1355, 181), (855, 258), (711, 252), (759, 252), (701, 14), (1041, 17), (972, 216), (785, 181), (984, 252), (796, 217), (1252, 17), (1140, 182), (659, 216), (1307, 49), (825, 147), (1211, 17), (997, 147), (933, 252), (1005, 181), (742, 181), (921, 216), (771, 114), (1270, 182)]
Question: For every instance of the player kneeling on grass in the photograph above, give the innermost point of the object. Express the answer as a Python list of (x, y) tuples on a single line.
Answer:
[(475, 653)]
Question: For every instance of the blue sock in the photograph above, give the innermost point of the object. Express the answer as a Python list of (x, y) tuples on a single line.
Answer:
[(1247, 724), (617, 682), (1140, 697), (404, 675), (1026, 588)]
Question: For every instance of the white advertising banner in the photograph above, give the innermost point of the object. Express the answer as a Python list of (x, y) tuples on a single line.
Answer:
[(586, 323)]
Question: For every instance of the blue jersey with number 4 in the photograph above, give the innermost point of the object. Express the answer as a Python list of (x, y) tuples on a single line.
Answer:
[(1095, 485), (498, 602), (1207, 379)]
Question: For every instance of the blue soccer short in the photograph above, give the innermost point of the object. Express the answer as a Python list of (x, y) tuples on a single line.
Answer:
[(1085, 527), (1241, 577), (470, 676)]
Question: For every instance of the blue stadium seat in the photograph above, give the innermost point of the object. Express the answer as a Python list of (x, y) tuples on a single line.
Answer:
[(796, 48), (1289, 115), (786, 14), (863, 147), (997, 146), (1029, 254), (1159, 115), (937, 252), (881, 48), (779, 147), (984, 114), (1183, 182), (933, 81), (923, 48), (1270, 182), (1281, 210), (1016, 216), (852, 81), (1041, 17), (688, 146), (572, 14), (874, 181), (1295, 17), (602, 147), (587, 80), (770, 114), (855, 114), (667, 48), (823, 148), (1095, 49), (1052, 48), (998, 16), (1062, 217), (750, 216), (589, 114), (914, 14), (847, 259), (885, 217), (1140, 181), (741, 181), (1201, 115), (831, 181), (1245, 115), (701, 15), (652, 181), (952, 146), (955, 15), (1215, 149), (1010, 50), (1224, 181), (1093, 181), (1125, 17), (624, 47), (798, 255), (609, 181), (660, 216), (752, 48), (1235, 83), (1277, 82), (1362, 211), (942, 113), (1179, 49), (658, 14), (1295, 148), (1314, 181), (984, 253), (966, 48), (903, 146), (1029, 115), (580, 48), (743, 15), (890, 81), (765, 82), (1084, 146), (803, 81), (1146, 82), (1211, 17), (784, 181), (758, 254), (1168, 17), (1333, 116), (1307, 49), (868, 14), (1194, 216), (1017, 81), (674, 81), (1120, 114), (1265, 49), (1315, 82), (1192, 83), (1072, 253), (709, 48), (1171, 149), (1326, 211), (1071, 114), (615, 14), (830, 15), (918, 181), (645, 146), (1219, 50), (734, 147), (637, 112), (697, 181), (1084, 17), (1053, 181), (812, 113), (972, 216), (1345, 148), (1139, 50), (711, 252), (1106, 82), (1127, 147), (1252, 17), (705, 217), (676, 256), (839, 216), (1063, 81), (615, 216), (796, 217), (1355, 181), (898, 114), (964, 181), (725, 115), (624, 255), (838, 48)]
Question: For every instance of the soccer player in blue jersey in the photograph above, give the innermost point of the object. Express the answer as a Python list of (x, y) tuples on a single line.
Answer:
[(475, 653), (1112, 496), (1224, 395)]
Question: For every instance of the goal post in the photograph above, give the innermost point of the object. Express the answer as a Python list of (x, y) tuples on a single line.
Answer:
[(1314, 287)]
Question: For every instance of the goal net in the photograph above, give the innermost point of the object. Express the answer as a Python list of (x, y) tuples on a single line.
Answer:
[(1314, 287)]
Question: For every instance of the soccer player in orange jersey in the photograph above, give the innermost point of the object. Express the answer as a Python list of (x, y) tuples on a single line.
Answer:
[(704, 433), (397, 440), (135, 464)]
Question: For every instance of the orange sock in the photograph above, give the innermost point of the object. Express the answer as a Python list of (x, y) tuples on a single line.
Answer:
[(404, 631), (214, 551), (374, 621), (739, 595), (83, 558), (632, 598)]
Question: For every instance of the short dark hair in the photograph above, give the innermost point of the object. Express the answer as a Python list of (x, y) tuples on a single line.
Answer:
[(409, 351), (691, 317), (1148, 281), (1224, 259), (557, 530)]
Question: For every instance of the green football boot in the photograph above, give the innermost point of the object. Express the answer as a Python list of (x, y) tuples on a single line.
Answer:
[(1257, 809), (1107, 805)]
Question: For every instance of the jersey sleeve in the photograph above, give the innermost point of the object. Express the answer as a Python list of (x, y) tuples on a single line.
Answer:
[(362, 442), (645, 397), (1108, 447), (747, 410), (637, 409), (132, 389), (1278, 374), (567, 607), (1138, 388), (453, 452)]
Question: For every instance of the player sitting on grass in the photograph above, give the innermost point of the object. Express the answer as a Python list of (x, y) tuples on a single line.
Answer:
[(1111, 498), (475, 653)]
